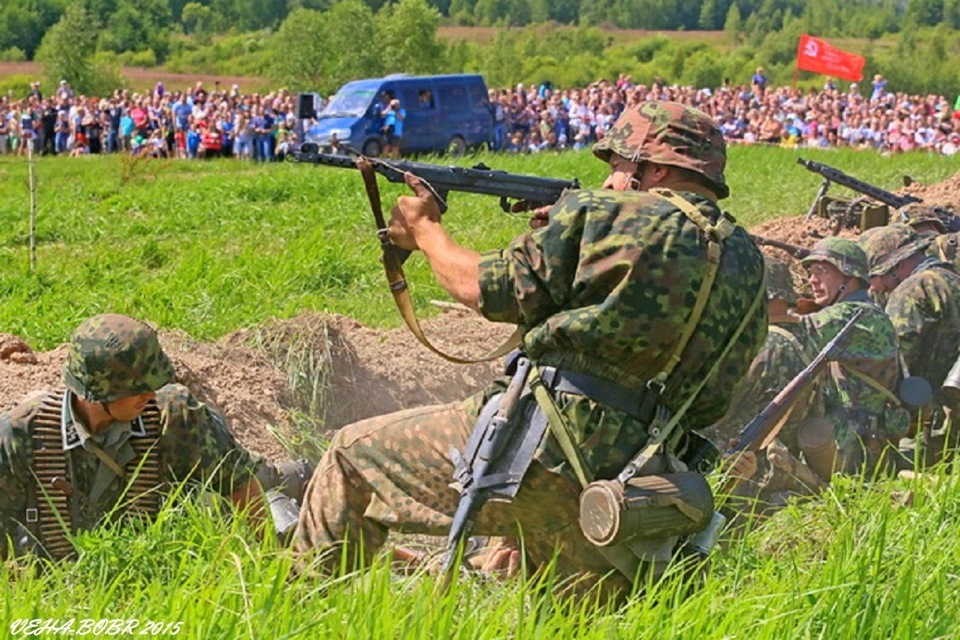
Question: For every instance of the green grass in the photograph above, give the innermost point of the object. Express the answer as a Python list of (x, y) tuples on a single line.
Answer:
[(847, 565), (211, 247)]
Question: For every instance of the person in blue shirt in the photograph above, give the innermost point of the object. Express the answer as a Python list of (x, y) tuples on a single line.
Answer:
[(393, 118)]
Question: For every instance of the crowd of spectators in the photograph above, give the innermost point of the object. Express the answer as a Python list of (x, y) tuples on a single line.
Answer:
[(199, 123), (534, 119)]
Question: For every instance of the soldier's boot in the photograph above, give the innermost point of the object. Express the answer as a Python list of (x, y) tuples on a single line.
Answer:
[(819, 447), (284, 484)]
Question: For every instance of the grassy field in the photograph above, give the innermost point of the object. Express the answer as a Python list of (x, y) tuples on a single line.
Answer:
[(208, 247)]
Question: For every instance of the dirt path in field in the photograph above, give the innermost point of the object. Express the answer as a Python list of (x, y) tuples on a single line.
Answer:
[(335, 369)]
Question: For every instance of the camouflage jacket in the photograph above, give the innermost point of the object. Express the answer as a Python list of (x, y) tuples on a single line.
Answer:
[(607, 287), (847, 400), (195, 443), (925, 311), (780, 360)]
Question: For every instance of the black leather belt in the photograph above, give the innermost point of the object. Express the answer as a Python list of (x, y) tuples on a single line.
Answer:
[(611, 394)]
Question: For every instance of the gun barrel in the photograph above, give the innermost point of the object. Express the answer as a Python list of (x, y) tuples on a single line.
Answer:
[(534, 190), (835, 175)]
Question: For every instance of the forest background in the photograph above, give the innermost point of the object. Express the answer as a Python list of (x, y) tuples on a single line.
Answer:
[(316, 45)]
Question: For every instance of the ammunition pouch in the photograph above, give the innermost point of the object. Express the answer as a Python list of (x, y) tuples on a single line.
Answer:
[(698, 453), (655, 506)]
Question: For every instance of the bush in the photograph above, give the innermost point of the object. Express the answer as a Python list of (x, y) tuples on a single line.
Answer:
[(13, 54), (17, 86)]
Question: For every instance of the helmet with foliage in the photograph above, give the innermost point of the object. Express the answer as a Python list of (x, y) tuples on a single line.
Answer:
[(669, 133), (113, 356), (779, 281), (915, 214), (888, 246), (844, 254)]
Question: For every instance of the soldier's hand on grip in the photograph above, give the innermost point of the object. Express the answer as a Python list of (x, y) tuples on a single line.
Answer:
[(411, 212)]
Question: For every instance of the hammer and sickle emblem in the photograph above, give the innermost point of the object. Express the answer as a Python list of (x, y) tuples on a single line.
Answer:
[(811, 49)]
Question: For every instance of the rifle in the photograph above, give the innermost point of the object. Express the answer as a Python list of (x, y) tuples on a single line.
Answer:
[(531, 191), (832, 174), (494, 461), (797, 252), (766, 424)]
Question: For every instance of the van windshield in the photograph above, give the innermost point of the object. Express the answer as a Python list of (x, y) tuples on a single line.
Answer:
[(349, 103)]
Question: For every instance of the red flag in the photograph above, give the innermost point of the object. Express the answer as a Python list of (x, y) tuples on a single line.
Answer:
[(816, 55)]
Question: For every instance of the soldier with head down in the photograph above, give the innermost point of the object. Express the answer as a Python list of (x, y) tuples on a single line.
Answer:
[(634, 289), (925, 221), (923, 302), (116, 433)]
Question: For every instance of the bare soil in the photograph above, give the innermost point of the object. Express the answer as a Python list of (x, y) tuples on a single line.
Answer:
[(361, 372), (353, 371)]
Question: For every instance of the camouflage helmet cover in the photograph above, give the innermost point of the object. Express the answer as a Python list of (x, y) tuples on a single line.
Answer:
[(890, 245), (113, 356), (779, 281), (916, 213), (669, 133), (844, 254)]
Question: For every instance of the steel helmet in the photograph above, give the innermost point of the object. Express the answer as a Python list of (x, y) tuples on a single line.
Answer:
[(844, 254), (113, 356), (888, 246), (917, 214), (669, 133)]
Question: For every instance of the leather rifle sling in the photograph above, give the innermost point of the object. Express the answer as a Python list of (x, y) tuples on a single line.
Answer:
[(398, 282)]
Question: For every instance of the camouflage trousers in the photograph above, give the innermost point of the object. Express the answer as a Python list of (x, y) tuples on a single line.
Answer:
[(394, 472)]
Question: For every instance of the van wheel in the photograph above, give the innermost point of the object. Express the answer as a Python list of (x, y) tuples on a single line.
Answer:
[(457, 147), (372, 148)]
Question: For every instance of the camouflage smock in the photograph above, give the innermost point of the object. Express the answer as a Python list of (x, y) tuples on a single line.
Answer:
[(925, 312), (848, 401), (779, 361), (194, 443), (607, 287)]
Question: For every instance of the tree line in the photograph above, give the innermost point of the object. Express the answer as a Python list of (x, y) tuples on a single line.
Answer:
[(319, 44)]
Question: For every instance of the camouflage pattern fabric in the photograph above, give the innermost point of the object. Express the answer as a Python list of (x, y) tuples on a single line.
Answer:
[(669, 133), (916, 214), (847, 401), (844, 254), (925, 312), (112, 356), (779, 281), (394, 472), (779, 361), (888, 246), (195, 444), (604, 289)]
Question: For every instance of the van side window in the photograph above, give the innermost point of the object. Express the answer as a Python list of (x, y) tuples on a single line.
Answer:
[(454, 98), (425, 99), (478, 97)]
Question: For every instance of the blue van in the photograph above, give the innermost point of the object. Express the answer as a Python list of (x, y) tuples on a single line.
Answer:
[(447, 113)]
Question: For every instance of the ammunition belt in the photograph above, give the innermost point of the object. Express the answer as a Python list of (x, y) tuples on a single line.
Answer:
[(50, 513)]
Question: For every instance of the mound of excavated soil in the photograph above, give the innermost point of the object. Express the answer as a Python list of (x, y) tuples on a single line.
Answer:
[(363, 372)]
